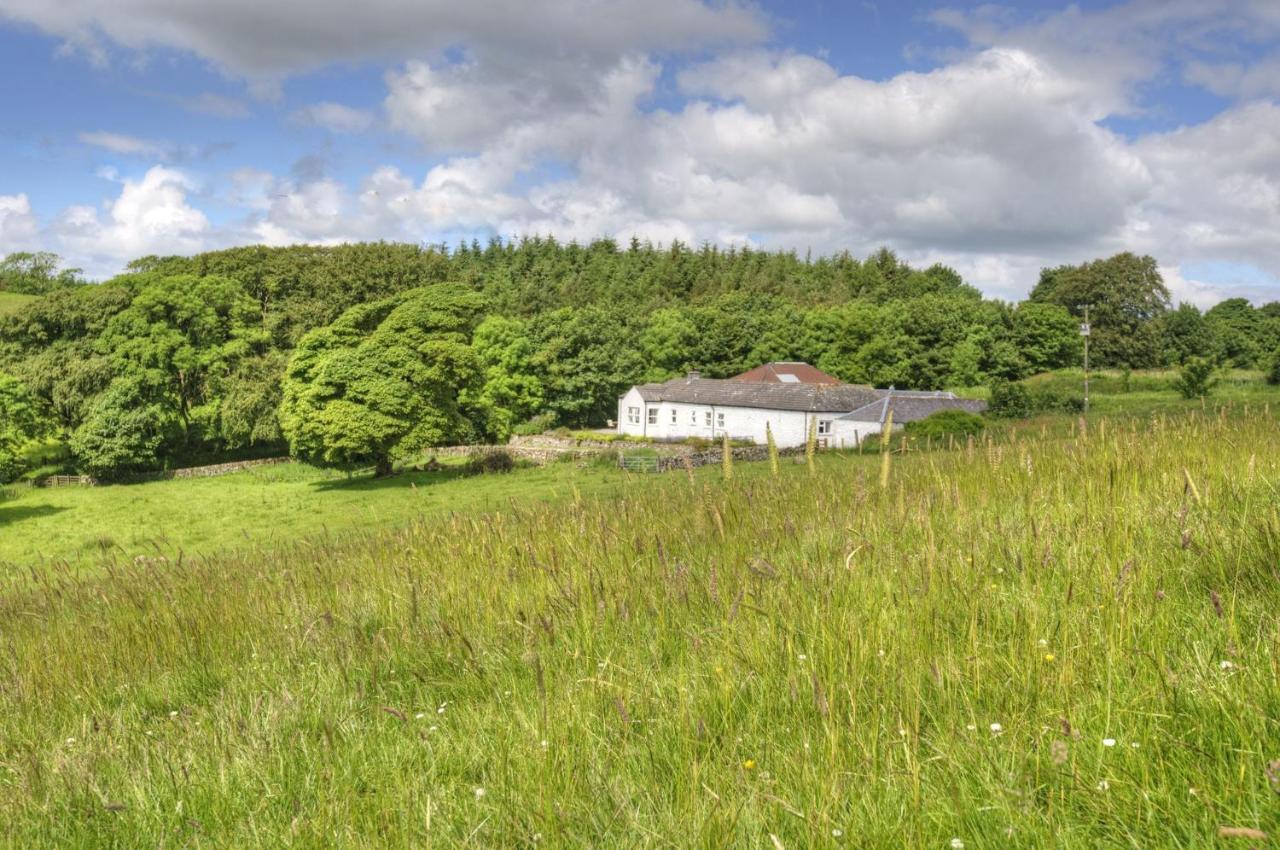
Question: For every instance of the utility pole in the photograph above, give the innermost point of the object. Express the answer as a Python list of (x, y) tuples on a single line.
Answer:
[(1085, 332)]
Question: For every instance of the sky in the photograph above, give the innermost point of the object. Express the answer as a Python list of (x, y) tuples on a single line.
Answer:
[(996, 138)]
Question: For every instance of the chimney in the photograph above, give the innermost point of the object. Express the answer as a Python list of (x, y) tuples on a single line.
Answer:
[(694, 375)]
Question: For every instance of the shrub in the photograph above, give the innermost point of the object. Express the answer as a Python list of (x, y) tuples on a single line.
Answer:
[(1273, 373), (1054, 399), (482, 463), (1196, 379), (539, 424), (1009, 400), (944, 423)]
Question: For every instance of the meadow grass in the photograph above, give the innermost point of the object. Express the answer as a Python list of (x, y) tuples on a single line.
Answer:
[(257, 507), (11, 302), (1064, 642), (282, 503)]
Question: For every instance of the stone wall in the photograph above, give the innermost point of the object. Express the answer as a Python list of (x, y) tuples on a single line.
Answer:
[(164, 475), (712, 456)]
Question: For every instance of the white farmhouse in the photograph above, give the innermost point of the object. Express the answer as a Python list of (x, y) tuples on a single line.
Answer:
[(741, 407)]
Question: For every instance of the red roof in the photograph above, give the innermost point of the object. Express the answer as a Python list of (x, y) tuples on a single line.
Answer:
[(786, 373)]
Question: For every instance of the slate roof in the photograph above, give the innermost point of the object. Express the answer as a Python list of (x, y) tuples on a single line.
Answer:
[(783, 372), (815, 398), (911, 406), (857, 402)]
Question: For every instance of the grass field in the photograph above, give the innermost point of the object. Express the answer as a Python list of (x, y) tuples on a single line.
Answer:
[(279, 504), (256, 507), (10, 302), (1071, 642)]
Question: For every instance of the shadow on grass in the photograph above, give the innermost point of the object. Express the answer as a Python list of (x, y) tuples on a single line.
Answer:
[(366, 481), (17, 513)]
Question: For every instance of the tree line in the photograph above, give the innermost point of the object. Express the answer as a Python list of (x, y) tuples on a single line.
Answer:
[(356, 354)]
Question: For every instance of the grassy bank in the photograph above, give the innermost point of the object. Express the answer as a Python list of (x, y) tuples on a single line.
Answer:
[(11, 302), (1069, 643)]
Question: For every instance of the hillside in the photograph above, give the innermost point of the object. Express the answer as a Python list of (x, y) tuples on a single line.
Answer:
[(1065, 643), (11, 302)]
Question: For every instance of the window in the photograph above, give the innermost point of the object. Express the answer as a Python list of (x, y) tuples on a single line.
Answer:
[(673, 415), (633, 415), (719, 420), (824, 426), (708, 418), (693, 417), (653, 416)]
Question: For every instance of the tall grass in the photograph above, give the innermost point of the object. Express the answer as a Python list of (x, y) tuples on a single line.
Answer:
[(1028, 643)]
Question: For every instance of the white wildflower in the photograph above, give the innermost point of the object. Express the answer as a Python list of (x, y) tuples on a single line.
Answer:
[(1103, 785), (996, 728), (479, 793), (957, 844), (1226, 665), (1108, 742), (836, 833)]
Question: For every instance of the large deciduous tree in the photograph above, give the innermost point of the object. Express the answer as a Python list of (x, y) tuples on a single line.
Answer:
[(1125, 294), (127, 426), (384, 380)]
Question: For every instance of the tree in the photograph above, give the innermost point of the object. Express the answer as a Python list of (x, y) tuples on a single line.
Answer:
[(512, 391), (1273, 370), (126, 427), (1126, 295), (248, 411), (1046, 336), (20, 423), (668, 344), (1238, 328), (191, 330), (36, 273), (1186, 334), (586, 359), (383, 380), (1195, 380)]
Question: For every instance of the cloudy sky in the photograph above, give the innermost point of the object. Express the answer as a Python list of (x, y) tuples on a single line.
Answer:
[(995, 138)]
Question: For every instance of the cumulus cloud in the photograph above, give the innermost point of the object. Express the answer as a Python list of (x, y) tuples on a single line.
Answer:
[(18, 225), (334, 117), (150, 216), (553, 118)]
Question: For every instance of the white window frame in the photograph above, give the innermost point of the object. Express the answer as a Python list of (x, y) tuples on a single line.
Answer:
[(824, 427), (653, 416), (720, 421), (633, 416), (693, 417), (674, 415), (708, 418)]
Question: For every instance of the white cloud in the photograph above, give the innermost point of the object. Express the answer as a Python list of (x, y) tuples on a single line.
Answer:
[(335, 117), (150, 216), (547, 118), (19, 228), (271, 39), (119, 143)]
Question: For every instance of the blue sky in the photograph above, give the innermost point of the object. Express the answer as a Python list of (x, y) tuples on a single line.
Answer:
[(998, 139)]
